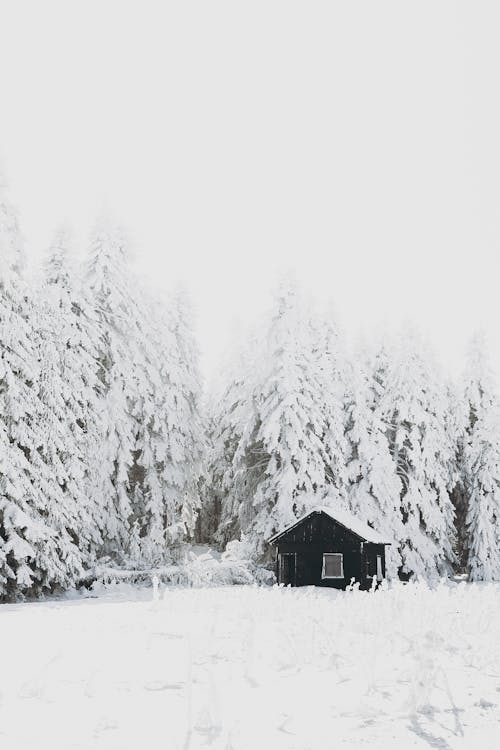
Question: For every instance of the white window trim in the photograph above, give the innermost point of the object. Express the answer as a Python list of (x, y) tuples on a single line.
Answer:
[(341, 555)]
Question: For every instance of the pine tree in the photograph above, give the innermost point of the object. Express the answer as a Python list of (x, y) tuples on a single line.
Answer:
[(186, 423), (37, 549), (109, 288), (413, 405), (211, 497), (280, 465), (227, 486), (149, 374), (456, 423), (481, 467), (375, 488), (71, 389), (171, 430), (332, 372)]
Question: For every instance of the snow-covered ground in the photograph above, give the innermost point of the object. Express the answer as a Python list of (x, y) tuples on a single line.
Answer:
[(248, 668)]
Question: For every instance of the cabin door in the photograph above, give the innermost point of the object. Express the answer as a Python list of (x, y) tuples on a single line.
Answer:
[(287, 564)]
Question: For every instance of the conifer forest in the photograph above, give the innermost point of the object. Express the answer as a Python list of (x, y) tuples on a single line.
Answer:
[(113, 450)]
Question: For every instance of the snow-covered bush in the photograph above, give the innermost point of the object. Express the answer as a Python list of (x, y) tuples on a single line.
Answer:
[(195, 568)]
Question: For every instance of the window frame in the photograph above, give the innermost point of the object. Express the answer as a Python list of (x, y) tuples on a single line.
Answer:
[(323, 569)]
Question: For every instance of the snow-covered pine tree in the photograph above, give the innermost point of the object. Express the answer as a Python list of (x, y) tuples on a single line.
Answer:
[(456, 422), (375, 488), (226, 491), (332, 370), (71, 389), (171, 430), (186, 424), (150, 381), (481, 466), (111, 291), (147, 544), (37, 549), (413, 405), (280, 463), (209, 514)]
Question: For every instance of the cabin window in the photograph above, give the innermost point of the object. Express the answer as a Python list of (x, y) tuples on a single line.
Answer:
[(333, 565), (379, 568)]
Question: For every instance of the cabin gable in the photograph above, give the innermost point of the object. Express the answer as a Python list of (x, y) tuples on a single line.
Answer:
[(318, 528)]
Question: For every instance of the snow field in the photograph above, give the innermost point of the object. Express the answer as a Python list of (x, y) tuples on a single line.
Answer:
[(246, 667)]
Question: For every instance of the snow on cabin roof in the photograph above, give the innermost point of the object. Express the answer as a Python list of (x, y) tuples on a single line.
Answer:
[(344, 518)]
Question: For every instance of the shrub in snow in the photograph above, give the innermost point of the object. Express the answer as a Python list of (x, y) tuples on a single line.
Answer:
[(193, 569), (241, 549)]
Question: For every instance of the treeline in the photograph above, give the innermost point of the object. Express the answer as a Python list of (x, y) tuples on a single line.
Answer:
[(380, 432), (100, 426), (106, 454)]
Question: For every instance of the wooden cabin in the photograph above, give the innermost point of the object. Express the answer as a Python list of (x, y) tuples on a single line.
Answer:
[(329, 547)]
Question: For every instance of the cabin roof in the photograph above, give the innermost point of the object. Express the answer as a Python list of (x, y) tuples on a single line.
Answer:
[(344, 518)]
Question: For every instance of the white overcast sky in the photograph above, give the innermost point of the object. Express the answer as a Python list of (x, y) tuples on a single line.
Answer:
[(357, 143)]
